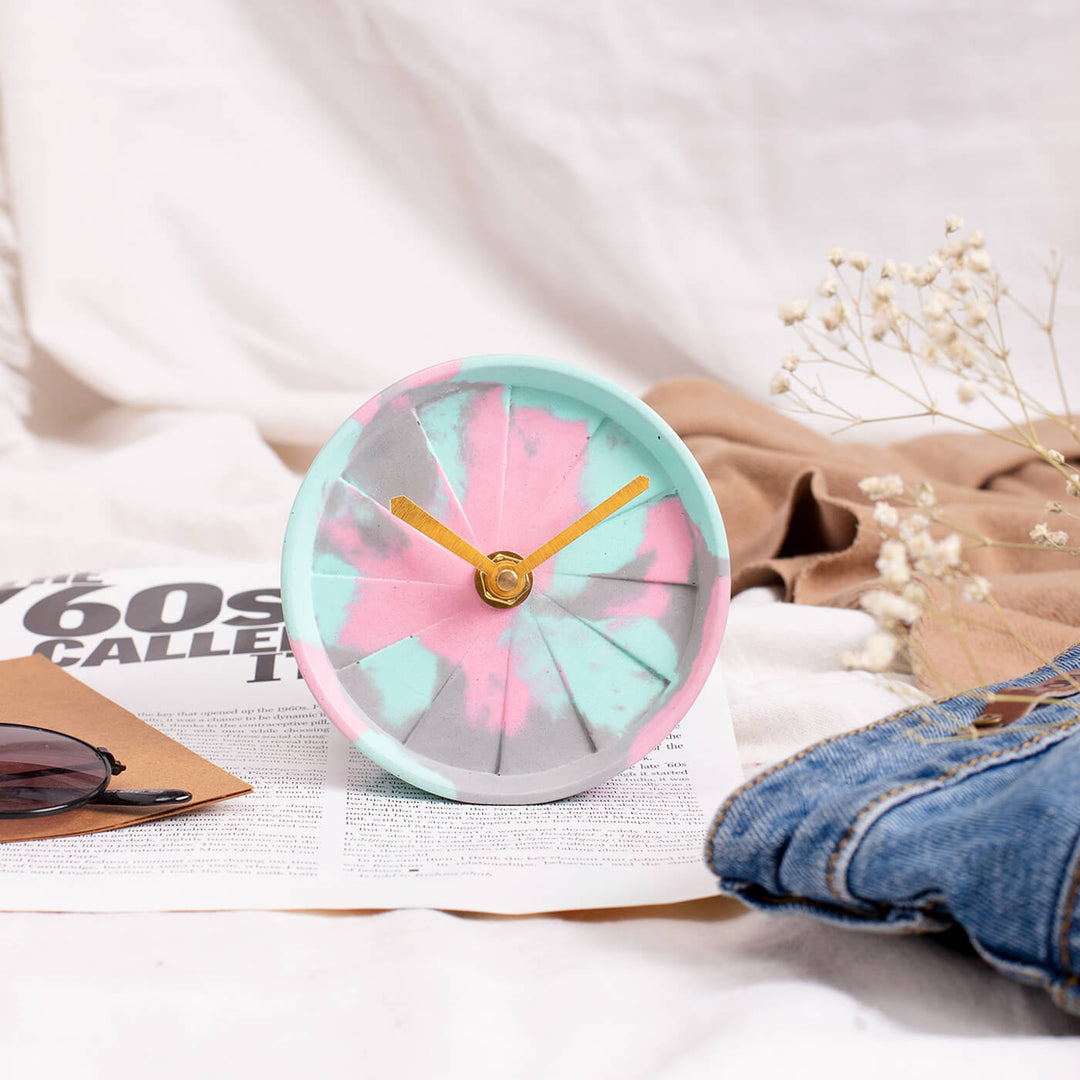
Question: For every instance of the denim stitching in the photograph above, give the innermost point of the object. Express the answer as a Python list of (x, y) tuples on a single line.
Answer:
[(947, 775)]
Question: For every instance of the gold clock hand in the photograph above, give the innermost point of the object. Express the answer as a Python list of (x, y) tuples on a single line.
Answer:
[(405, 509), (583, 524)]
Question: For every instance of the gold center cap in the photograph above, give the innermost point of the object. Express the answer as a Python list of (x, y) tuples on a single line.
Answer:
[(507, 587)]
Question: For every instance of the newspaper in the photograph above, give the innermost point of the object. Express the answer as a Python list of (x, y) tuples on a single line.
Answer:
[(201, 653)]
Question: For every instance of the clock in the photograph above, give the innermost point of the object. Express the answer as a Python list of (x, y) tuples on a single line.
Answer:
[(505, 579)]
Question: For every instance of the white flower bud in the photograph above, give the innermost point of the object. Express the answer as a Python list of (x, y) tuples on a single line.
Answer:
[(892, 564), (913, 525), (832, 318), (794, 311), (976, 590), (886, 515), (888, 608), (1047, 537), (882, 487), (977, 312), (779, 383), (962, 281), (967, 391)]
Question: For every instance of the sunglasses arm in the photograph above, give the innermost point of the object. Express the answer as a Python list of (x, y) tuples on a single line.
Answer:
[(153, 797)]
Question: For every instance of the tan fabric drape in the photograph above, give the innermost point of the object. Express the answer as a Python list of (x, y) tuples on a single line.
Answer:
[(795, 517)]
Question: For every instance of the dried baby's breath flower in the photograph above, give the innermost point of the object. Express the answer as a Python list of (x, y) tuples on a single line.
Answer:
[(963, 352), (882, 292), (977, 312), (888, 607), (779, 383), (912, 525), (946, 313), (827, 286), (877, 655), (882, 487), (834, 316), (1044, 535), (892, 564), (928, 274), (939, 305), (789, 362), (943, 556), (914, 593), (886, 515), (920, 545), (962, 281), (794, 311), (952, 252)]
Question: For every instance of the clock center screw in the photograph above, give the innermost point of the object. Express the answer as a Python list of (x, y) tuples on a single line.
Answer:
[(505, 588)]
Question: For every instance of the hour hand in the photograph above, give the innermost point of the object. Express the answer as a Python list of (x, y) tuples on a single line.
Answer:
[(405, 509)]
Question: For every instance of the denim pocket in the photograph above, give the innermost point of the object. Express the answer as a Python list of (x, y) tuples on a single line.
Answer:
[(919, 822)]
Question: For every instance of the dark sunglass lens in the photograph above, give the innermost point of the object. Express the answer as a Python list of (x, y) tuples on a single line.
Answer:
[(40, 770)]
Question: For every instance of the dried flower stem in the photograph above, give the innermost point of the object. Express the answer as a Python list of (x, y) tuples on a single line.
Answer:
[(955, 325)]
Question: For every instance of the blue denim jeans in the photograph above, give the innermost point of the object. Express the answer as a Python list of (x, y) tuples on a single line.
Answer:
[(920, 822)]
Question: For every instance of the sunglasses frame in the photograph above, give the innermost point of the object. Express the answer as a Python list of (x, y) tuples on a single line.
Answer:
[(100, 795)]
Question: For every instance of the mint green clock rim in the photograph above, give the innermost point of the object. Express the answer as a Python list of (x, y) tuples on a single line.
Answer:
[(540, 373)]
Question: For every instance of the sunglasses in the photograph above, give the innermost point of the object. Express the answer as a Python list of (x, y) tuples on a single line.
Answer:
[(46, 772)]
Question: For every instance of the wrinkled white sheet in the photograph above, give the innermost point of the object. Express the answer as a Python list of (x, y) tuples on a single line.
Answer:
[(232, 220)]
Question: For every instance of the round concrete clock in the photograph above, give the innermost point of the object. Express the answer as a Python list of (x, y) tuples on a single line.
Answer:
[(505, 579)]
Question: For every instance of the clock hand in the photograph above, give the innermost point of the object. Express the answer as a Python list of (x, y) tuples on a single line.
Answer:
[(583, 524), (405, 509)]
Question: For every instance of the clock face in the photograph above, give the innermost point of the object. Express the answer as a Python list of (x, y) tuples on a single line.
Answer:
[(505, 693)]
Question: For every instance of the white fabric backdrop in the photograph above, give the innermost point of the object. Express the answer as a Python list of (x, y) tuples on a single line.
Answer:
[(230, 221)]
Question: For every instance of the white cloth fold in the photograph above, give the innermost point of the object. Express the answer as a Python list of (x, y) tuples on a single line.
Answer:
[(237, 219)]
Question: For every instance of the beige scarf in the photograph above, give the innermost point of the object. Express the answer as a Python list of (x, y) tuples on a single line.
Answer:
[(795, 517)]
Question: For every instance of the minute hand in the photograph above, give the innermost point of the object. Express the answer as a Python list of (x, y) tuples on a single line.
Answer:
[(583, 524)]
